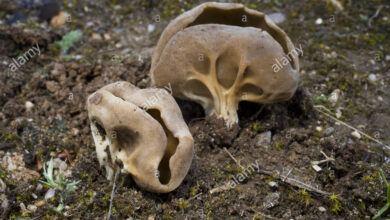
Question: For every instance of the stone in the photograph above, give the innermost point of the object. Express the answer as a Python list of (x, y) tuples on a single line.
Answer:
[(321, 209), (29, 105), (277, 17), (50, 194), (319, 21), (356, 134), (328, 131), (263, 139)]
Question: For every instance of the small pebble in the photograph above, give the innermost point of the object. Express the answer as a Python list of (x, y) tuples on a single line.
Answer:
[(3, 186), (334, 96), (273, 184), (50, 194), (23, 207), (63, 166), (338, 113), (5, 204), (317, 168), (107, 36), (328, 131), (321, 209), (89, 24), (319, 128), (75, 131), (372, 78), (151, 28), (39, 187), (277, 17), (319, 21), (40, 203), (59, 20), (271, 200), (96, 36), (32, 208), (29, 105), (263, 139), (56, 163), (356, 134)]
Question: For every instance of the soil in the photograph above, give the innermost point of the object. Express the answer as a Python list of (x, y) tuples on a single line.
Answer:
[(341, 56)]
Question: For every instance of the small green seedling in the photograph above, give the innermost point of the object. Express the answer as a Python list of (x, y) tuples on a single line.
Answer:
[(388, 197), (68, 40), (319, 99), (64, 186)]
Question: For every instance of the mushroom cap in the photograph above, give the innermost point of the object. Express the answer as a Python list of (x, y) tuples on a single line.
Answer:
[(151, 143), (218, 54), (222, 13)]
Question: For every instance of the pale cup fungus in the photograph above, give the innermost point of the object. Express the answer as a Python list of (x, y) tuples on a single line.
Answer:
[(219, 54), (149, 141)]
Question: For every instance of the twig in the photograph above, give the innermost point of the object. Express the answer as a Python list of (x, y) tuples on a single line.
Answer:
[(262, 214), (375, 15), (113, 193), (300, 184), (235, 160), (220, 188), (194, 197), (317, 108), (283, 176), (327, 159)]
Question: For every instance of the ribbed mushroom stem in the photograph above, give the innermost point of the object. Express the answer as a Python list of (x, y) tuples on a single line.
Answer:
[(228, 110)]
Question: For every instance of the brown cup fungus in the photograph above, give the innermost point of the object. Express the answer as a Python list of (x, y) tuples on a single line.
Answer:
[(219, 54), (141, 132)]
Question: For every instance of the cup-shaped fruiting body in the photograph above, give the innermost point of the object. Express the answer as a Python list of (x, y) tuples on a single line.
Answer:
[(141, 132), (219, 54)]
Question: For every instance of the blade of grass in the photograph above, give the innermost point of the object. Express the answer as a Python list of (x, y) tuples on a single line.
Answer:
[(381, 211)]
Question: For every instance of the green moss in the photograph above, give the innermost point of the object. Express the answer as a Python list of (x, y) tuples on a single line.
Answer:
[(279, 146), (269, 179), (167, 216), (182, 204), (128, 211), (218, 175), (334, 202), (9, 137), (304, 197), (193, 190), (256, 126), (362, 207)]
